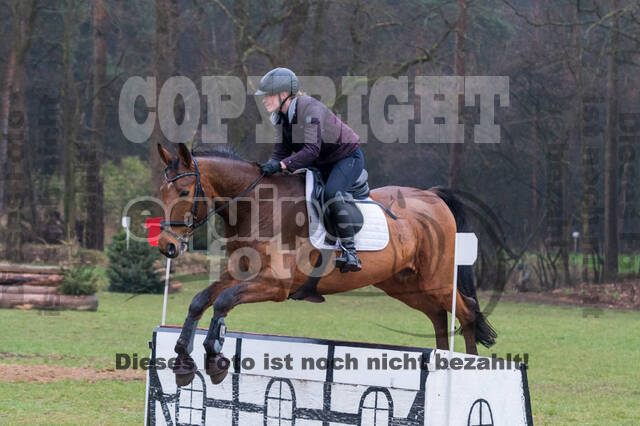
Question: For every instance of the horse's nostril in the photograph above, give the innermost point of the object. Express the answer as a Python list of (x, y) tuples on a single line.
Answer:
[(171, 250)]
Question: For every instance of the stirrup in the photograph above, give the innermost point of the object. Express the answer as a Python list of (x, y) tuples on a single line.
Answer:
[(348, 261), (351, 267)]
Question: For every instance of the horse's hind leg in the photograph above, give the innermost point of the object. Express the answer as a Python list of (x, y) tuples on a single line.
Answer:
[(466, 314), (404, 287), (435, 307)]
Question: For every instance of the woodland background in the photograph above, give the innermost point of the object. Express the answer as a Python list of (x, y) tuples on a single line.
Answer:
[(567, 161)]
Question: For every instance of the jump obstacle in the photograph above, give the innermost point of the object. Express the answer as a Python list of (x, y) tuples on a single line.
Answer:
[(286, 381)]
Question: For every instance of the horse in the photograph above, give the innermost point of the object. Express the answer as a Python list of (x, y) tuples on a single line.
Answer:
[(416, 267)]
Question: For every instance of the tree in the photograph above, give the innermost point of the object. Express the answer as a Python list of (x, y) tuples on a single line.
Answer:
[(456, 152), (94, 233), (611, 155), (132, 270), (4, 115), (165, 61), (70, 112), (24, 15)]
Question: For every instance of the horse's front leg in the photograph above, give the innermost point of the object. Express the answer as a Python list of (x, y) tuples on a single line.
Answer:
[(185, 367), (216, 365)]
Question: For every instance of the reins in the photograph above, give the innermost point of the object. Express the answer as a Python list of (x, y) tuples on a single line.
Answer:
[(198, 193)]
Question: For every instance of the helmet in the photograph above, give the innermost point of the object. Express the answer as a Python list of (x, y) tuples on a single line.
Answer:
[(278, 80)]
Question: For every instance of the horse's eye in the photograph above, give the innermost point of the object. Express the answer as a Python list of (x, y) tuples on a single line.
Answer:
[(184, 193)]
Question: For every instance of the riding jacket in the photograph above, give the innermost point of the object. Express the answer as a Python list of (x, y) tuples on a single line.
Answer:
[(311, 135)]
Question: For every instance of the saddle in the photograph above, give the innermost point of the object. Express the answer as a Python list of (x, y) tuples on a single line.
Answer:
[(358, 191), (367, 215)]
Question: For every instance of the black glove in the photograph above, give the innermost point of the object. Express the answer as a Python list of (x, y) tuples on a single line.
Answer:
[(270, 167)]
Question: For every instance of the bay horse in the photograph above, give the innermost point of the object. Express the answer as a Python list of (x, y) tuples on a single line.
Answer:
[(416, 267)]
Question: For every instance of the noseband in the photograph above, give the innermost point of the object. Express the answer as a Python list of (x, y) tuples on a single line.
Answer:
[(192, 223)]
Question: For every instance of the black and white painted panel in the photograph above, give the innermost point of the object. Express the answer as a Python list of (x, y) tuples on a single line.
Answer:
[(371, 394)]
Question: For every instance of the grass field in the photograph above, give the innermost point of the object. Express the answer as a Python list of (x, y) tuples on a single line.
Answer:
[(582, 370)]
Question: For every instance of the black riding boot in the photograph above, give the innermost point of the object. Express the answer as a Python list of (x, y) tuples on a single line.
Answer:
[(348, 260)]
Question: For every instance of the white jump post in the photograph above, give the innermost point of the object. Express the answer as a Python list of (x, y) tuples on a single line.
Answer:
[(126, 224), (166, 290), (466, 253)]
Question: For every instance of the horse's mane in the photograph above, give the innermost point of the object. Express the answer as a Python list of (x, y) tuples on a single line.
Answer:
[(222, 151)]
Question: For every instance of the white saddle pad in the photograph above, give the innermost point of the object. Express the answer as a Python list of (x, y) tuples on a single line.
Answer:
[(373, 236)]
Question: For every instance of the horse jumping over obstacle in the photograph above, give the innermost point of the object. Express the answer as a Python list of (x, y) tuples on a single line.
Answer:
[(416, 267)]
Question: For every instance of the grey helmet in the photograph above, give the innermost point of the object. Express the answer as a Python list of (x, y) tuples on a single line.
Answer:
[(278, 80)]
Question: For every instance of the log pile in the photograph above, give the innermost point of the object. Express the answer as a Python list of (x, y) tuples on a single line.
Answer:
[(36, 287), (12, 278)]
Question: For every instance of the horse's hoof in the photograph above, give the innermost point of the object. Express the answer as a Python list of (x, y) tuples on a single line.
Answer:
[(184, 379), (314, 298), (184, 369), (307, 295), (307, 292), (217, 367)]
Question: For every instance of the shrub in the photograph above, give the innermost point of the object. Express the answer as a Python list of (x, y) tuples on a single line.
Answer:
[(79, 280), (132, 271)]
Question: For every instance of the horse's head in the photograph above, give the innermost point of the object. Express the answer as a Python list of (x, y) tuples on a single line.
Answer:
[(184, 199)]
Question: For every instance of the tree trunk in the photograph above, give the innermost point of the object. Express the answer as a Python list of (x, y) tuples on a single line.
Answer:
[(588, 131), (456, 153), (610, 161), (625, 181), (292, 29), (69, 127), (24, 15), (315, 66), (95, 194), (165, 60), (15, 167), (4, 115)]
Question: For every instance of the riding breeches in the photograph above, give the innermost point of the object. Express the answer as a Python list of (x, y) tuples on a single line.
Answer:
[(341, 175)]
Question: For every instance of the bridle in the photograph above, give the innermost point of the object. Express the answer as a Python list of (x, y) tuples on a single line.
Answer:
[(192, 223)]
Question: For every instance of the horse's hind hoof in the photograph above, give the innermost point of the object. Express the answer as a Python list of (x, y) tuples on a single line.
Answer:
[(217, 367), (184, 369), (307, 293)]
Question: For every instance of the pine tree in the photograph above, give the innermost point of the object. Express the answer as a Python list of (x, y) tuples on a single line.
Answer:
[(132, 270)]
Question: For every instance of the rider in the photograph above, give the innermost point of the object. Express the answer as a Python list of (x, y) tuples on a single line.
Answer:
[(327, 144)]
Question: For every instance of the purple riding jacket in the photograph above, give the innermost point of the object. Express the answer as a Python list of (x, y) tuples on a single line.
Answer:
[(311, 135)]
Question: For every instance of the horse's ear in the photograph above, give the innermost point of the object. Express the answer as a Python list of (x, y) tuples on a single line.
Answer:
[(184, 154), (165, 155)]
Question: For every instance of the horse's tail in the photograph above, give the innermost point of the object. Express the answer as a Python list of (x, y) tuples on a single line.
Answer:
[(484, 332)]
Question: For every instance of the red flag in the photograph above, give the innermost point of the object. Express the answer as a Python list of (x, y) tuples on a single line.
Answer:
[(153, 230)]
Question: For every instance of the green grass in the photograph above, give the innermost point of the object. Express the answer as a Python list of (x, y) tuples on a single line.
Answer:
[(72, 402), (628, 264), (582, 370)]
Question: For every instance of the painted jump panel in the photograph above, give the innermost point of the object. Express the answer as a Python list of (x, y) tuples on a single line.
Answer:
[(325, 382)]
